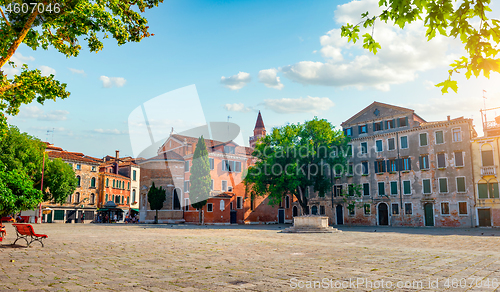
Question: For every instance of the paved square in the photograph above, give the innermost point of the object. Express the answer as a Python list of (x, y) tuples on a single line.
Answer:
[(122, 257)]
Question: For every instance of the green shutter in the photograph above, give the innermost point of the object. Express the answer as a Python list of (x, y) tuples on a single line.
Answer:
[(443, 185), (426, 186), (394, 187), (406, 187), (482, 190), (381, 189), (59, 215), (461, 184)]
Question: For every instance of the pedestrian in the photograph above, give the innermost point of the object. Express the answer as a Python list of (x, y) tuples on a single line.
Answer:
[(83, 217)]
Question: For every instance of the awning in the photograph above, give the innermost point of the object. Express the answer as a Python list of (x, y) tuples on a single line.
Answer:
[(102, 210), (133, 209)]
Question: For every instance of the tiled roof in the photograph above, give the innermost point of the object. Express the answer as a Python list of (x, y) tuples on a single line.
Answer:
[(64, 155), (114, 175), (170, 155), (210, 143)]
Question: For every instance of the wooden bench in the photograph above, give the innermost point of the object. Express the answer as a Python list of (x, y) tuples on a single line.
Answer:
[(25, 231)]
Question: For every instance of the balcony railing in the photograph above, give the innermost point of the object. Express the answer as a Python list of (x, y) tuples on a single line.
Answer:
[(488, 170)]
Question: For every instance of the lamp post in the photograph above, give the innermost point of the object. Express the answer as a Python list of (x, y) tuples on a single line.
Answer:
[(41, 189)]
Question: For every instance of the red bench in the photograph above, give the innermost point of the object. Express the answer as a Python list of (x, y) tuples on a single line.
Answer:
[(3, 233), (25, 231)]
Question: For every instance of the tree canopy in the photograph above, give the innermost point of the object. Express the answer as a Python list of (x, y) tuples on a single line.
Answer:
[(63, 25), (466, 20), (156, 197), (296, 158), (59, 181), (200, 178)]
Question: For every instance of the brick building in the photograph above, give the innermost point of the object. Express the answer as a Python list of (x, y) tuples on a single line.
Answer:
[(411, 172), (85, 198)]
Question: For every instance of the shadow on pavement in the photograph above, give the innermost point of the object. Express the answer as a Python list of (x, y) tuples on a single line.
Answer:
[(438, 231)]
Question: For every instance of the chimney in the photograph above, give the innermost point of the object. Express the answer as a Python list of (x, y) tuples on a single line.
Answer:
[(117, 153), (448, 118)]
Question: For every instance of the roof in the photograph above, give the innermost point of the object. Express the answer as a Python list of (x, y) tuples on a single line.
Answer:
[(114, 175), (193, 140), (376, 103), (170, 155), (65, 155), (260, 123)]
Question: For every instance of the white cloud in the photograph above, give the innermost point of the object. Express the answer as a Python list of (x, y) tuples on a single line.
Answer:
[(18, 60), (404, 53), (34, 112), (110, 131), (299, 105), (237, 107), (428, 84), (237, 81), (270, 79), (109, 82), (76, 71), (46, 70)]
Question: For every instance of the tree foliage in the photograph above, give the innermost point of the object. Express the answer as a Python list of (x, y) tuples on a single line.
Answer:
[(296, 158), (156, 197), (466, 20), (63, 28), (200, 178), (59, 181)]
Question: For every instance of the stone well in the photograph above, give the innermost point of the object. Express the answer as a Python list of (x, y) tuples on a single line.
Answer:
[(311, 224)]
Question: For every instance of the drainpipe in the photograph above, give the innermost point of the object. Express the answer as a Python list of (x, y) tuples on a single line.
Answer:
[(399, 176), (473, 184)]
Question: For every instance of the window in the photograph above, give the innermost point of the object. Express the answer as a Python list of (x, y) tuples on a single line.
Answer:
[(212, 185), (211, 160), (77, 198), (424, 161), (233, 166), (367, 209), (350, 169), (322, 210), (229, 149), (186, 166), (352, 211), (58, 214), (366, 189), (381, 188), (362, 129), (403, 122), (122, 199), (394, 187), (134, 175), (487, 157), (107, 182), (445, 208), (441, 160), (364, 147), (348, 132), (79, 167), (133, 197), (406, 164), (92, 182), (493, 189), (408, 209), (482, 189), (239, 202), (92, 199), (423, 139), (456, 134), (395, 209), (237, 166), (391, 144), (113, 183), (378, 126), (364, 164), (392, 165), (404, 142), (70, 198), (186, 204), (337, 190), (128, 186), (426, 186), (210, 207), (94, 169), (107, 198), (287, 202), (443, 185), (461, 184), (462, 208), (379, 166), (379, 146), (389, 124), (439, 137), (78, 181), (406, 187), (224, 186), (350, 190), (222, 206), (186, 186), (128, 200)]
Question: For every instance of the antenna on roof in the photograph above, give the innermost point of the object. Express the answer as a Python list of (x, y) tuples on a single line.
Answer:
[(47, 138)]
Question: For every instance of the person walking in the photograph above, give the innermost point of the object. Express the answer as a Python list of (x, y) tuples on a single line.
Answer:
[(83, 217)]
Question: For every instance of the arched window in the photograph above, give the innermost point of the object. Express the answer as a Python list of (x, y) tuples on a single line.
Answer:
[(295, 211), (106, 199), (92, 182), (77, 197), (222, 205), (314, 210), (133, 196), (92, 199), (70, 198), (78, 180), (123, 198), (107, 182), (114, 185), (287, 202), (177, 201)]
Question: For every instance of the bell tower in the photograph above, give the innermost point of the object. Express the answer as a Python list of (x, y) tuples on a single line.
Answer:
[(258, 132)]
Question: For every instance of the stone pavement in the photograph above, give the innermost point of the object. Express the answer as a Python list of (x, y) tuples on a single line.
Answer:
[(120, 257)]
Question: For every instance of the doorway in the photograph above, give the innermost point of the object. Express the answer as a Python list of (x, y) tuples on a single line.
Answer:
[(429, 214), (484, 217), (233, 218), (339, 210), (281, 216), (383, 214), (295, 211)]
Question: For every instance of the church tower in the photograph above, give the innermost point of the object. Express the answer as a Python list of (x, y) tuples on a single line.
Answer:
[(258, 132)]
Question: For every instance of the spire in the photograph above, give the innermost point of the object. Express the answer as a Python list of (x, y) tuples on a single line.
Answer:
[(260, 123)]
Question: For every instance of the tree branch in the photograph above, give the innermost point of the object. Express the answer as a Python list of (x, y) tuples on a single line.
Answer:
[(20, 38), (9, 87), (6, 20)]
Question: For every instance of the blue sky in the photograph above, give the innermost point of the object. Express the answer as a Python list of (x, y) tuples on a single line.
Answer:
[(234, 52)]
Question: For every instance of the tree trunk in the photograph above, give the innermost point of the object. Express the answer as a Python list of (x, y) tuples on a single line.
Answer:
[(156, 217), (302, 201), (200, 216)]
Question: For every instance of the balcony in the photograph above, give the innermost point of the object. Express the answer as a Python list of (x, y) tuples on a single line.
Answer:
[(488, 170)]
